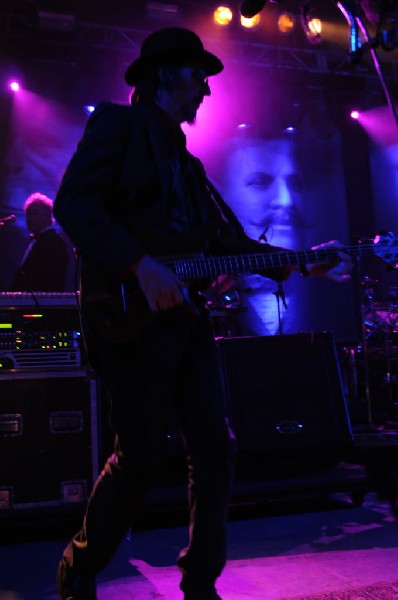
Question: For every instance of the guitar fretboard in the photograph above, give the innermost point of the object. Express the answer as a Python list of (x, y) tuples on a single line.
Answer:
[(200, 267)]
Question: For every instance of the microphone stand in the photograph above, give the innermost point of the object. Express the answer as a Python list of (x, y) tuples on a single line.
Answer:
[(390, 380), (280, 297), (368, 397), (280, 291)]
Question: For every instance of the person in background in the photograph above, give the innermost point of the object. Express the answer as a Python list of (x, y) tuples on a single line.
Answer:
[(132, 194), (45, 262)]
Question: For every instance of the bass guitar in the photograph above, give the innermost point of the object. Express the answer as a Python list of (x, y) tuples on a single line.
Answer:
[(121, 310)]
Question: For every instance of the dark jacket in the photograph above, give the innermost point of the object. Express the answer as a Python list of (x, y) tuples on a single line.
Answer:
[(114, 199), (120, 198), (44, 268)]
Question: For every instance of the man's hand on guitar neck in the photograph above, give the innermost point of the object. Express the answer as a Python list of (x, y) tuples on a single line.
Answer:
[(336, 270), (162, 289)]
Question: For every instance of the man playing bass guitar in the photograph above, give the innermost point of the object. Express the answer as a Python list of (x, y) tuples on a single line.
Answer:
[(132, 196)]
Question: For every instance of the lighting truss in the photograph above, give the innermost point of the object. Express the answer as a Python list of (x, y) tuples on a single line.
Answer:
[(128, 40)]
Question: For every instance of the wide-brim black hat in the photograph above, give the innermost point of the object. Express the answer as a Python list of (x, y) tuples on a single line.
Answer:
[(174, 44)]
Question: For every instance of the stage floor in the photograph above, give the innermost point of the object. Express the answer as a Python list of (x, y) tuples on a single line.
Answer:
[(302, 544)]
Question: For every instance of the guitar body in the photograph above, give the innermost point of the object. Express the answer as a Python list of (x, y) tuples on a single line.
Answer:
[(119, 312), (116, 317)]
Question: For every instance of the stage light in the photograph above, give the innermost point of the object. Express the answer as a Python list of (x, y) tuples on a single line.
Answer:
[(222, 16), (312, 27), (250, 23), (286, 23), (14, 86), (315, 26), (88, 109), (354, 114)]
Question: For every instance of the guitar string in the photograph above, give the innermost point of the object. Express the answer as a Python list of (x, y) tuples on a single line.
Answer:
[(198, 267)]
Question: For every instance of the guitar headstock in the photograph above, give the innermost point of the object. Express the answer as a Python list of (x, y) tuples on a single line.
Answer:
[(385, 246)]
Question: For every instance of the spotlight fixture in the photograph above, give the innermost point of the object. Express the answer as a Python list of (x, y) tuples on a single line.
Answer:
[(352, 17), (222, 16), (88, 109), (312, 27), (354, 114), (286, 22), (250, 23), (14, 86), (315, 26)]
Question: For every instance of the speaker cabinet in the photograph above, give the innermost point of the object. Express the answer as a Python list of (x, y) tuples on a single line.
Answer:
[(284, 394), (48, 439)]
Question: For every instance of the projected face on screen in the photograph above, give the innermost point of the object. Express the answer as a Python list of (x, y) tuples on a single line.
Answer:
[(262, 186)]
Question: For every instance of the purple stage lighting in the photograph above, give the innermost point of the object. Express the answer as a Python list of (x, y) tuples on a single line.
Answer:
[(354, 114)]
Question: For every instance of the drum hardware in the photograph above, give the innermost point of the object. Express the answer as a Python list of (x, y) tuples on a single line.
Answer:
[(366, 300), (390, 329), (379, 331), (280, 296), (367, 294), (223, 306), (380, 319), (390, 380), (349, 354)]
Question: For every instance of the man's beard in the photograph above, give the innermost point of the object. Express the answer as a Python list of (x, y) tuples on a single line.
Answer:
[(190, 115)]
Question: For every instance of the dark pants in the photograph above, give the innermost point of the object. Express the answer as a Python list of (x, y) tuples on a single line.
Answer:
[(174, 362)]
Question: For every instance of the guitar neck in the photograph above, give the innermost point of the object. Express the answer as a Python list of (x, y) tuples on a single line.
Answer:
[(198, 267)]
